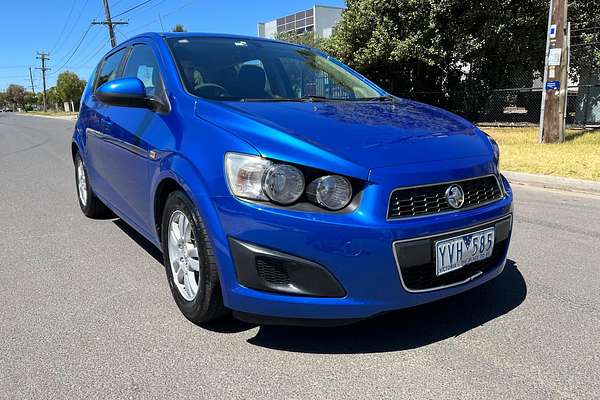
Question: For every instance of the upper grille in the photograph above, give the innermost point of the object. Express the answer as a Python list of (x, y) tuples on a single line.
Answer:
[(431, 199)]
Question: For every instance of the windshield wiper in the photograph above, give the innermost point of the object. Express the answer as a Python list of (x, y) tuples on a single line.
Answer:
[(281, 99), (264, 100), (313, 98), (386, 97)]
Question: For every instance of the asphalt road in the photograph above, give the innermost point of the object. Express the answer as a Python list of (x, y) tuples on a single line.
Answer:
[(85, 310)]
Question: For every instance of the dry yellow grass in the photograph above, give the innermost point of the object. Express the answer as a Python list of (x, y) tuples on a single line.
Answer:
[(578, 157)]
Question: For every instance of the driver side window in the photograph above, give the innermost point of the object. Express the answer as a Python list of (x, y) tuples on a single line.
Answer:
[(142, 64), (109, 68)]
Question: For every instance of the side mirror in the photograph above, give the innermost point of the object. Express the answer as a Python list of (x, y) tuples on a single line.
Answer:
[(128, 92)]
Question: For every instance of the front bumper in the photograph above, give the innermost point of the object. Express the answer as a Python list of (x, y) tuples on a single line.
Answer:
[(357, 249)]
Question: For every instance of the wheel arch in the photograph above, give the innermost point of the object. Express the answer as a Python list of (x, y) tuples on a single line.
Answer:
[(167, 186), (74, 150)]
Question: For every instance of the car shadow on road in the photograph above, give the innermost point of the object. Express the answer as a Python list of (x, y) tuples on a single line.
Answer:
[(395, 331), (406, 329), (140, 240)]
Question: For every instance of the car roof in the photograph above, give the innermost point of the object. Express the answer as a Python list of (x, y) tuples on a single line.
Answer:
[(168, 35)]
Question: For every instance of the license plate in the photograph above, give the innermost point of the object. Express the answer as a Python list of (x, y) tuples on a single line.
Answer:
[(454, 253)]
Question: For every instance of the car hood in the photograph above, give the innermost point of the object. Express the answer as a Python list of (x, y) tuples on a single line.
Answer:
[(365, 134)]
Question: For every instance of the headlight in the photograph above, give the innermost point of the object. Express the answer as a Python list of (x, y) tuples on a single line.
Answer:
[(255, 178), (283, 183), (331, 191), (245, 175)]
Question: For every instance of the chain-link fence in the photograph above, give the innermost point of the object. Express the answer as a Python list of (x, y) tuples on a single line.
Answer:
[(517, 105), (509, 106), (583, 107)]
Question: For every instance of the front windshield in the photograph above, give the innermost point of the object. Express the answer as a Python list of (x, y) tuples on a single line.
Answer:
[(259, 70)]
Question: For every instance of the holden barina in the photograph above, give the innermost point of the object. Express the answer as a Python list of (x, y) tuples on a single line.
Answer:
[(284, 187)]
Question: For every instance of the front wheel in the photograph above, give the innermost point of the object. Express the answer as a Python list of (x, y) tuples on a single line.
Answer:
[(189, 261)]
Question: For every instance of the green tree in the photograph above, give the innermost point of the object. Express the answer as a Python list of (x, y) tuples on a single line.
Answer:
[(3, 100), (52, 97), (29, 100), (15, 95), (415, 46), (179, 28), (69, 87), (428, 44), (306, 38)]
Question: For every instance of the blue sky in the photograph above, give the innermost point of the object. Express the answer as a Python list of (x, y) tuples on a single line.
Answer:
[(58, 26)]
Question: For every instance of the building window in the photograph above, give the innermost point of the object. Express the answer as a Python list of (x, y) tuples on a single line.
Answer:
[(300, 22)]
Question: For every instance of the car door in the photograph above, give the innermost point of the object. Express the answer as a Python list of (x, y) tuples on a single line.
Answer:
[(99, 159), (137, 131)]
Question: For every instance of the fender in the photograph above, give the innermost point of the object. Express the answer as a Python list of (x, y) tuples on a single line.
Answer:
[(174, 166), (78, 140)]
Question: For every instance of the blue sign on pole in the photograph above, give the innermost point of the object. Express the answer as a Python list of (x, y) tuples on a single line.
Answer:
[(553, 85)]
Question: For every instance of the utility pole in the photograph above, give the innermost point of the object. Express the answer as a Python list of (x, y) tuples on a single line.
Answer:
[(109, 23), (43, 57), (31, 80), (556, 81)]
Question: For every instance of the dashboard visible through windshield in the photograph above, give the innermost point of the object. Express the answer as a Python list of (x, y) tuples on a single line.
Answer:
[(259, 70)]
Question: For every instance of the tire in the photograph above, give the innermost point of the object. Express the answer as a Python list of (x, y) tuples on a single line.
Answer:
[(90, 205), (184, 263)]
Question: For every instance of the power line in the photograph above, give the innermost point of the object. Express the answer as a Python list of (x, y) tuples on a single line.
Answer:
[(101, 43), (12, 77), (64, 26), (74, 51), (13, 66), (145, 10), (162, 15), (121, 33), (92, 57), (73, 25), (133, 8), (92, 39)]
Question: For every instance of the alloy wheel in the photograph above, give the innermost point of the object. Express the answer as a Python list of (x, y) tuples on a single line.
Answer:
[(183, 255), (81, 182)]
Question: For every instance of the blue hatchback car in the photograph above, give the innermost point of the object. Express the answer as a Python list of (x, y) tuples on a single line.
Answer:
[(283, 186)]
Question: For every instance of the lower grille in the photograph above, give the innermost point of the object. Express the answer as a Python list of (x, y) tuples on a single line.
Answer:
[(423, 277), (272, 270), (416, 258), (431, 199)]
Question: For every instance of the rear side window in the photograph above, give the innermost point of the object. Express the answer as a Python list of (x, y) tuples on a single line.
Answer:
[(110, 68), (142, 64)]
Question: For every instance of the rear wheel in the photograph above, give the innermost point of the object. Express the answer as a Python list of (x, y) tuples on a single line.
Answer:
[(189, 261), (90, 205)]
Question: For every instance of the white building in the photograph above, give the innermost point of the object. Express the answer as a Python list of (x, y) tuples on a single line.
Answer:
[(318, 19)]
